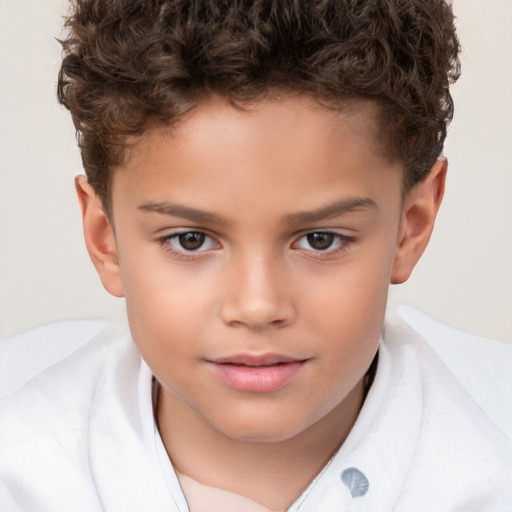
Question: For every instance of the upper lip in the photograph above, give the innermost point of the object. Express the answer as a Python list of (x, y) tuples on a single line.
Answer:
[(257, 359)]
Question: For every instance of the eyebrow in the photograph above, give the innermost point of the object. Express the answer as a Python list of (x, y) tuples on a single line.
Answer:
[(201, 216), (184, 212), (333, 210)]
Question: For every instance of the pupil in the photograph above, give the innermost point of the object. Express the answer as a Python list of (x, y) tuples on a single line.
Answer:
[(191, 241), (320, 241)]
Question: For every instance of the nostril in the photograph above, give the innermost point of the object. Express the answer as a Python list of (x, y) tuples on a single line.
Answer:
[(278, 322), (263, 317)]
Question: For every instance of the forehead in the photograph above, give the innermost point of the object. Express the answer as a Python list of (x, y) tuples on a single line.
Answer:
[(292, 144), (293, 115)]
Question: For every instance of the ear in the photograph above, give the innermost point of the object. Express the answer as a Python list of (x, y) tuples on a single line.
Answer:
[(418, 216), (99, 237)]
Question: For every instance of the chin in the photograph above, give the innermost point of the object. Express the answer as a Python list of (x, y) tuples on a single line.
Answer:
[(259, 430)]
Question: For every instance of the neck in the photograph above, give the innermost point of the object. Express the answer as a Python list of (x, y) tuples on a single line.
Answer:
[(271, 473)]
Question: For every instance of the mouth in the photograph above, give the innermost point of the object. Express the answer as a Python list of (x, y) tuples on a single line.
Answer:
[(257, 373)]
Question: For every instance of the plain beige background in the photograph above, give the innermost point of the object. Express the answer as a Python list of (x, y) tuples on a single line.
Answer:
[(464, 279)]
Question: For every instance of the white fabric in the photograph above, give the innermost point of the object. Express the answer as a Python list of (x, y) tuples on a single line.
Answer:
[(483, 366), (26, 354), (81, 437)]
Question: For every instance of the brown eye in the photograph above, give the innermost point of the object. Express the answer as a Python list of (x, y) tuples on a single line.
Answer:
[(320, 241), (191, 241), (189, 244)]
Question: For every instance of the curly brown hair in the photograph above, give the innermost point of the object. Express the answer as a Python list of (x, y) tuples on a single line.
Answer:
[(128, 64)]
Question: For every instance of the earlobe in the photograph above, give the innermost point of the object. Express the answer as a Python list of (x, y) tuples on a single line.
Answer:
[(418, 216), (99, 237)]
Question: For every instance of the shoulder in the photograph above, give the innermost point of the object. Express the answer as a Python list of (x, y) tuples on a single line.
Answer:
[(459, 449), (445, 397), (44, 424), (28, 353), (59, 396), (481, 365)]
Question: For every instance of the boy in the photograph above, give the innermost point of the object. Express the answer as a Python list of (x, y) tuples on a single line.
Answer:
[(257, 174)]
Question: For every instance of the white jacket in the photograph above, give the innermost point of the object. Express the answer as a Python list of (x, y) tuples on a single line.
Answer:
[(81, 437)]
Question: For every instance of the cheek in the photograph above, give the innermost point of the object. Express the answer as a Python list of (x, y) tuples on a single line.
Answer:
[(164, 304), (348, 308), (353, 294), (157, 285)]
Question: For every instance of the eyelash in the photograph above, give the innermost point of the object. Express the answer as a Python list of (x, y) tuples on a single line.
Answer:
[(343, 244), (166, 243)]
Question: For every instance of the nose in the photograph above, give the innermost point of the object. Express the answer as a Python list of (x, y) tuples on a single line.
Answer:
[(258, 296)]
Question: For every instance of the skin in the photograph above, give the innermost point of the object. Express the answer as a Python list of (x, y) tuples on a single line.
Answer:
[(258, 182)]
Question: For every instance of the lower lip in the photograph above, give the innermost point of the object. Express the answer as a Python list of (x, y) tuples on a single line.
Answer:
[(257, 379)]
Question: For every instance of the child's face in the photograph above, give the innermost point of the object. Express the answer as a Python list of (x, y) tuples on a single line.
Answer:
[(264, 238)]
